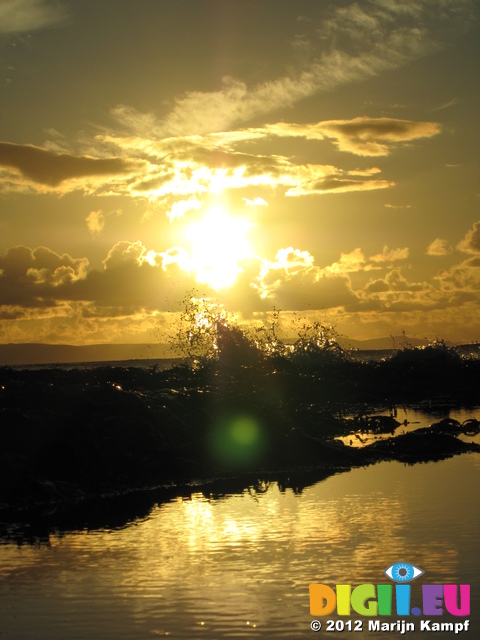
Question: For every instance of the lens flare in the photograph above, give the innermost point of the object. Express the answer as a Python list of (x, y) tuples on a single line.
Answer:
[(238, 441)]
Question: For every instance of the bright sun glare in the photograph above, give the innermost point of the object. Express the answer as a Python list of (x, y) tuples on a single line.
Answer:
[(219, 243)]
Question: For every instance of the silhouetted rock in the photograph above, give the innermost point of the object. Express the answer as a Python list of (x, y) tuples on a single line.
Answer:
[(69, 435)]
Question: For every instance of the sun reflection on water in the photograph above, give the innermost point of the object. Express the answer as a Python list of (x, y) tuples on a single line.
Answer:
[(218, 566)]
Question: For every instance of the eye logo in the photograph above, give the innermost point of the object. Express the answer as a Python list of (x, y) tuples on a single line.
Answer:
[(403, 572)]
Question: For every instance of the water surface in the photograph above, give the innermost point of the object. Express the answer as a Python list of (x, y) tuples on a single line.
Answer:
[(411, 419), (239, 566)]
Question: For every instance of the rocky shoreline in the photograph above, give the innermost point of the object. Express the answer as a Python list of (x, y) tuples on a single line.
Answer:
[(68, 436)]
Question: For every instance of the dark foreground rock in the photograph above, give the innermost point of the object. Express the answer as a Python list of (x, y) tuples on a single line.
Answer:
[(71, 436)]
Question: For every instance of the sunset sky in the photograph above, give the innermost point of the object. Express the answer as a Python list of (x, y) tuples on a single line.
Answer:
[(317, 156)]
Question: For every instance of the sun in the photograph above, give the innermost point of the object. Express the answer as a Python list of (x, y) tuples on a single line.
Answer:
[(219, 243)]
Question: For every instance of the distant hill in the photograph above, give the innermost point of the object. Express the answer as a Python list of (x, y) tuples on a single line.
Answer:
[(36, 353), (392, 342)]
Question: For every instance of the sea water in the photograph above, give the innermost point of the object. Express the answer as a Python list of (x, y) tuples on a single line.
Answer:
[(239, 565)]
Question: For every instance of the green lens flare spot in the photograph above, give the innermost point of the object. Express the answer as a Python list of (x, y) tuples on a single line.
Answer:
[(238, 441), (244, 431)]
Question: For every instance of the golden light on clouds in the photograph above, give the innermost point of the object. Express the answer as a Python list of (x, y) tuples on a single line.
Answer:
[(333, 129)]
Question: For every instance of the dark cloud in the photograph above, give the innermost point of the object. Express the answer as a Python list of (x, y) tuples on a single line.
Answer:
[(337, 184), (50, 169), (31, 277), (152, 184), (461, 277), (374, 136), (12, 313), (459, 286), (306, 292), (135, 280), (132, 280), (294, 283), (394, 281)]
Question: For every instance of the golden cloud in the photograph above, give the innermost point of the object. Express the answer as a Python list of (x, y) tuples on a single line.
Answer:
[(391, 255), (439, 247), (471, 241), (371, 44), (95, 221), (461, 277), (188, 168)]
